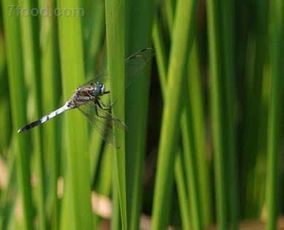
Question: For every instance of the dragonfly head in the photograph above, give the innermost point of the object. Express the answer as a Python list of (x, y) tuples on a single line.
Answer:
[(99, 89)]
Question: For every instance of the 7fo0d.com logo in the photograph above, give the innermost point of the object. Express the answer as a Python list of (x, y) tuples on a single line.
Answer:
[(18, 10)]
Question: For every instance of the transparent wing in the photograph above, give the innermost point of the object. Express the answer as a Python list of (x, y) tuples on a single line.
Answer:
[(102, 126), (136, 63), (102, 121), (101, 77), (133, 65)]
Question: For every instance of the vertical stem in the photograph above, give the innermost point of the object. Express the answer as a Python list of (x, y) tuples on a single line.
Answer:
[(228, 54), (137, 98), (115, 33), (274, 116), (217, 110), (30, 40), (182, 192), (180, 46), (16, 82), (78, 162), (50, 83)]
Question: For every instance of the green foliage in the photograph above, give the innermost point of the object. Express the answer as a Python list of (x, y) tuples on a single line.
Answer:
[(201, 146)]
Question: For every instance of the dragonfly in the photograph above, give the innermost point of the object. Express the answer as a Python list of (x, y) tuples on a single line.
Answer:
[(91, 92)]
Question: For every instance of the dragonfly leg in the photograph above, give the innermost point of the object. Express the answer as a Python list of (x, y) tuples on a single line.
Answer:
[(109, 116), (97, 112), (102, 105)]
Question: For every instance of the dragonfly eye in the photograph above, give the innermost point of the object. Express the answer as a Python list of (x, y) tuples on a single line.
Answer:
[(102, 88), (99, 89)]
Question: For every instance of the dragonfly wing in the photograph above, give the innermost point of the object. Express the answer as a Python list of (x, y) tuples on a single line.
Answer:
[(103, 122), (114, 120), (101, 77), (135, 63), (102, 126)]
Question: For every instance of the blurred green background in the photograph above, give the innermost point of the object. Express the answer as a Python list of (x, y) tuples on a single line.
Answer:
[(203, 143)]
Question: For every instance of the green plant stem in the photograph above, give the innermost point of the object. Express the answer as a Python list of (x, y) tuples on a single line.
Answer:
[(104, 180), (187, 134), (115, 34), (173, 103), (30, 40), (274, 116), (76, 145), (218, 111), (230, 104), (198, 125), (137, 99), (182, 192), (16, 82), (50, 86)]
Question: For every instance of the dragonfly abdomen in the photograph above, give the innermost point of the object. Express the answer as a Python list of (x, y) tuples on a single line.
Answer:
[(45, 118), (55, 113)]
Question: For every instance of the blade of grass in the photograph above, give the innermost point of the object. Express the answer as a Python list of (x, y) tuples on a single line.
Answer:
[(67, 206), (254, 128), (198, 124), (194, 152), (94, 35), (8, 194), (94, 32), (185, 15), (50, 85), (30, 41), (104, 180), (116, 216), (78, 164), (187, 133), (160, 54), (190, 166), (218, 110), (274, 117), (5, 115), (179, 167), (2, 53), (17, 95), (137, 97), (115, 34), (230, 106), (189, 152), (169, 12), (182, 192)]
